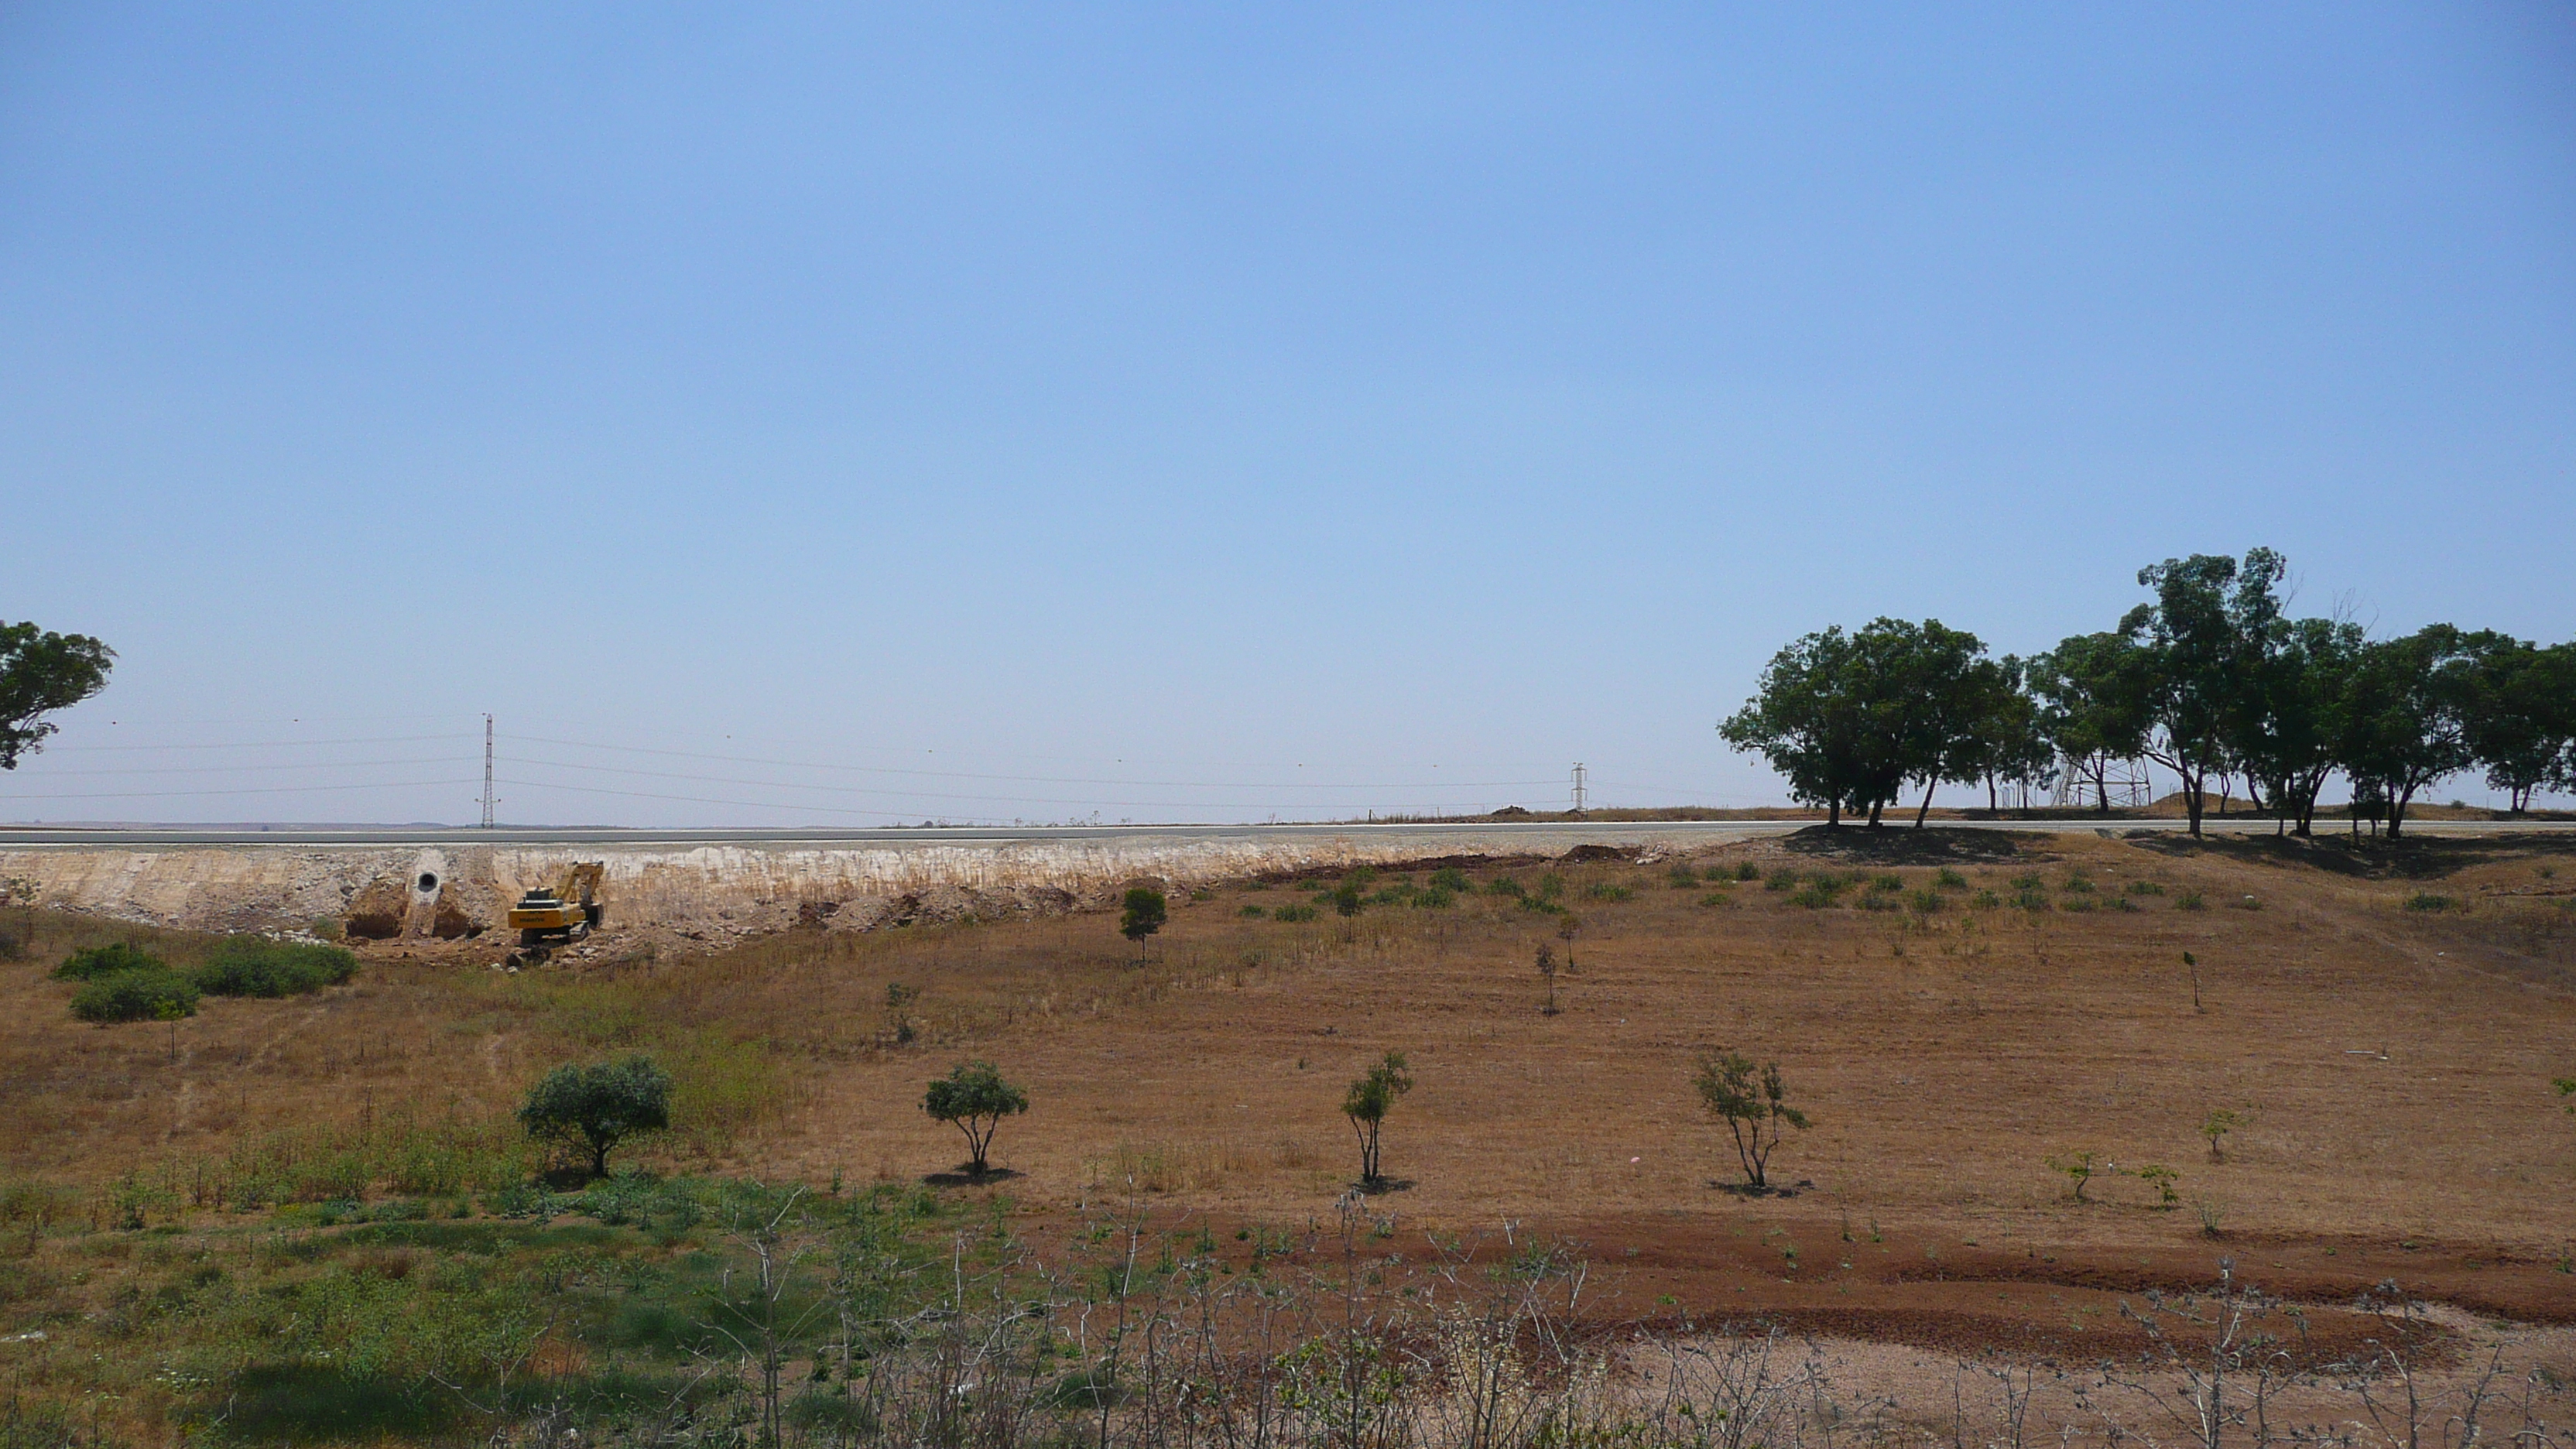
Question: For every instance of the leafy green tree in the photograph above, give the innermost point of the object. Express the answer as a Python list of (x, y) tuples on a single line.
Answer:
[(598, 1106), (41, 672), (1367, 1103), (1752, 1102), (2205, 637), (1851, 718), (974, 1099), (2092, 692), (2521, 717), (2008, 744), (1967, 707), (2284, 729), (1143, 914), (2404, 719)]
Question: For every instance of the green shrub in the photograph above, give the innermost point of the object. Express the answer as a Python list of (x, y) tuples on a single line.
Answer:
[(1781, 878), (1925, 902), (1550, 886), (136, 996), (2145, 888), (2123, 903), (1435, 898), (2029, 882), (2031, 900), (1949, 880), (2427, 901), (1254, 912), (1717, 898), (1451, 878), (1814, 897), (1683, 878), (1294, 913), (2078, 903), (2190, 901), (257, 966), (1887, 882), (1878, 900), (1747, 870), (2076, 884), (1602, 890), (92, 963), (1503, 885), (1984, 901)]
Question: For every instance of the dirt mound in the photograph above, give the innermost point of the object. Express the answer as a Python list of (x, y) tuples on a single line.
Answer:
[(376, 912)]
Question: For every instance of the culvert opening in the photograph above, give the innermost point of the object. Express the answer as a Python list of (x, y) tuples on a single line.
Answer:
[(428, 882)]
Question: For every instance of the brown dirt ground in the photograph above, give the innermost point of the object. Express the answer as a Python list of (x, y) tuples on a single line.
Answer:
[(2397, 1065)]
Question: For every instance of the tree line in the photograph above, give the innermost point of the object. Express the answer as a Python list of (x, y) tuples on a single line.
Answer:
[(2211, 679)]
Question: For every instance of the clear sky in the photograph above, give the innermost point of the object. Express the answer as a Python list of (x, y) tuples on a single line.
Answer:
[(1208, 412)]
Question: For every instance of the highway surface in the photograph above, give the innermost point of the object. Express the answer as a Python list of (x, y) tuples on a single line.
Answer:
[(1553, 832)]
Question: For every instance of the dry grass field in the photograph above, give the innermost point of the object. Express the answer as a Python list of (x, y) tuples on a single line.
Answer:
[(1956, 1010)]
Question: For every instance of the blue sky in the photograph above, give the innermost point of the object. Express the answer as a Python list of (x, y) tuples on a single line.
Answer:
[(1211, 412)]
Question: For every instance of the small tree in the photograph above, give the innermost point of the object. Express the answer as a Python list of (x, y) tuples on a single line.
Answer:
[(899, 1000), (1752, 1102), (1568, 925), (2567, 1088), (2218, 1124), (1366, 1104), (1146, 911), (2078, 1169), (974, 1099), (1547, 973), (596, 1107)]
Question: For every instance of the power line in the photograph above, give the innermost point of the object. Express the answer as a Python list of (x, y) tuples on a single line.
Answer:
[(998, 779), (244, 790), (258, 744)]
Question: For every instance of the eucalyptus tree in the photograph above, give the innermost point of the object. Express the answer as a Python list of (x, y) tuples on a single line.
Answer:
[(2092, 694), (2521, 718), (1850, 718), (2204, 638), (41, 672), (2403, 719), (2287, 718)]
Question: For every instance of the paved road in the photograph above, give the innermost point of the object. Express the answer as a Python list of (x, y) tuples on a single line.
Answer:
[(1554, 832)]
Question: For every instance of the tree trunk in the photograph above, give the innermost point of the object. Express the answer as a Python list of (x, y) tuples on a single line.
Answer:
[(1833, 812), (1991, 807), (1875, 806), (1926, 807)]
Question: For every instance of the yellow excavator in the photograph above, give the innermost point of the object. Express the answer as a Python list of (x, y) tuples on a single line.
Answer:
[(565, 911)]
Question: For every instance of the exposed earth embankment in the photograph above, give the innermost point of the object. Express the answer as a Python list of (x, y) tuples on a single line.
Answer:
[(715, 893)]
